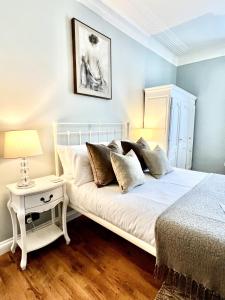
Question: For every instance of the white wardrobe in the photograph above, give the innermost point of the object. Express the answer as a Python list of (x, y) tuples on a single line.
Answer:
[(170, 114)]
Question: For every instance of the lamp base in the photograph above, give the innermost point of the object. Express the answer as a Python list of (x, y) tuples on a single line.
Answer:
[(25, 185), (25, 181)]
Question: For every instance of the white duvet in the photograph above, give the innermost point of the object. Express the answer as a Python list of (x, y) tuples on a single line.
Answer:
[(135, 212)]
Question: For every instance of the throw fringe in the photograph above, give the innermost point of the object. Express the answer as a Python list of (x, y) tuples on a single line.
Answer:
[(186, 285)]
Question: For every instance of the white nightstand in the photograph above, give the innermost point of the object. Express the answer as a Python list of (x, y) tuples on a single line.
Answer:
[(45, 195)]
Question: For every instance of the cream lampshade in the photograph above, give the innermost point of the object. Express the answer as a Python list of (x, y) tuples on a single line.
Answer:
[(22, 144), (146, 133), (152, 135)]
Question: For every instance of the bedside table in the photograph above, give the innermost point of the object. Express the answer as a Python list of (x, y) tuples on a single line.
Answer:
[(44, 196)]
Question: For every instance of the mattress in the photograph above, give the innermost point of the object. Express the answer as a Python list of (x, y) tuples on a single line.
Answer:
[(135, 212)]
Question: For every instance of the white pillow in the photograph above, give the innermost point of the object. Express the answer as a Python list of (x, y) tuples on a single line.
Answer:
[(67, 155), (64, 153), (82, 169), (127, 169), (75, 162)]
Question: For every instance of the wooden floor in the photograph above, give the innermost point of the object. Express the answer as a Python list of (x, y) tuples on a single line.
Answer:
[(96, 265)]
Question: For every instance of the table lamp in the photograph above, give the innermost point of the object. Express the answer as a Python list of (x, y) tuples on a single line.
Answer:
[(154, 136), (22, 144)]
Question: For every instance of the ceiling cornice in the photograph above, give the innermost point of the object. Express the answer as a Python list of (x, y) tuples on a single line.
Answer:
[(129, 28), (201, 55)]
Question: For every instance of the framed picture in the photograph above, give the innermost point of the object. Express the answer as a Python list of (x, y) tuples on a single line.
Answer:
[(92, 61)]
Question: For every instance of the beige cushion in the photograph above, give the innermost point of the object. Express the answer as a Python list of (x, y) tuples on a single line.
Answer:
[(157, 162), (127, 169), (115, 146), (137, 148), (101, 165)]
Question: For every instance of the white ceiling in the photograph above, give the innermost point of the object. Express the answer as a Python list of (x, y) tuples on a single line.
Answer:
[(179, 30)]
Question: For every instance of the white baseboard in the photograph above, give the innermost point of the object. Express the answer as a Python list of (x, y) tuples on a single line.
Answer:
[(6, 244), (71, 215)]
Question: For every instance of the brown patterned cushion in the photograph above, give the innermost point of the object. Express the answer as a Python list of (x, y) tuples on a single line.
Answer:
[(101, 165), (137, 148)]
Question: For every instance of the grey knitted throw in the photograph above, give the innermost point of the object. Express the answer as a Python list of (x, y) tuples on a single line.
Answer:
[(190, 240)]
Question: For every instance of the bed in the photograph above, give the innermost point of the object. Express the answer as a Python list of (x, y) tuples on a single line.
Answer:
[(132, 215), (179, 218)]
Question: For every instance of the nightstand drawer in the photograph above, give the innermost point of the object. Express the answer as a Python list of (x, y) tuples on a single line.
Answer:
[(43, 198)]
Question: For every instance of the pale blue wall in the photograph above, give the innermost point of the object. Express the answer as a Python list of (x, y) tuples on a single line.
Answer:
[(134, 67), (206, 80), (36, 79), (36, 59)]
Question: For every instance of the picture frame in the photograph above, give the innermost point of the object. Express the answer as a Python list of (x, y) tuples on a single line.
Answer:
[(92, 63)]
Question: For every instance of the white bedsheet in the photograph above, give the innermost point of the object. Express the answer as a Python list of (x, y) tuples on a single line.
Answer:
[(135, 212)]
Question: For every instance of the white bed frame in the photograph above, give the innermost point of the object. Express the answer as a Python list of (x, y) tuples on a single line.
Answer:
[(79, 133)]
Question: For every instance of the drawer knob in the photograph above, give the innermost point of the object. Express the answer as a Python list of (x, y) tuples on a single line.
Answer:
[(48, 200)]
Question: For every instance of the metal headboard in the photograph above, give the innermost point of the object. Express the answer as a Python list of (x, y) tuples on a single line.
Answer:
[(80, 133)]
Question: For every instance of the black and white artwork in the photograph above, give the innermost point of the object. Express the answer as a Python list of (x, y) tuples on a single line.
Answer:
[(92, 61)]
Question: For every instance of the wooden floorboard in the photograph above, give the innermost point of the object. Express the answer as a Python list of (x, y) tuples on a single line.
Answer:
[(96, 265)]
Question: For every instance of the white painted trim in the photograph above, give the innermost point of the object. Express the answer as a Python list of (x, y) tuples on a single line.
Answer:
[(170, 87), (128, 27), (71, 215), (129, 237), (6, 244), (198, 56)]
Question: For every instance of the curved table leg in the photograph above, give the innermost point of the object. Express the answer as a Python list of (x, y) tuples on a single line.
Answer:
[(21, 219), (14, 226), (64, 212)]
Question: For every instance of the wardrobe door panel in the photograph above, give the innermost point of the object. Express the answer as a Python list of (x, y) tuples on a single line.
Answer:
[(170, 113), (156, 112), (191, 122), (183, 134), (174, 132), (157, 118)]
